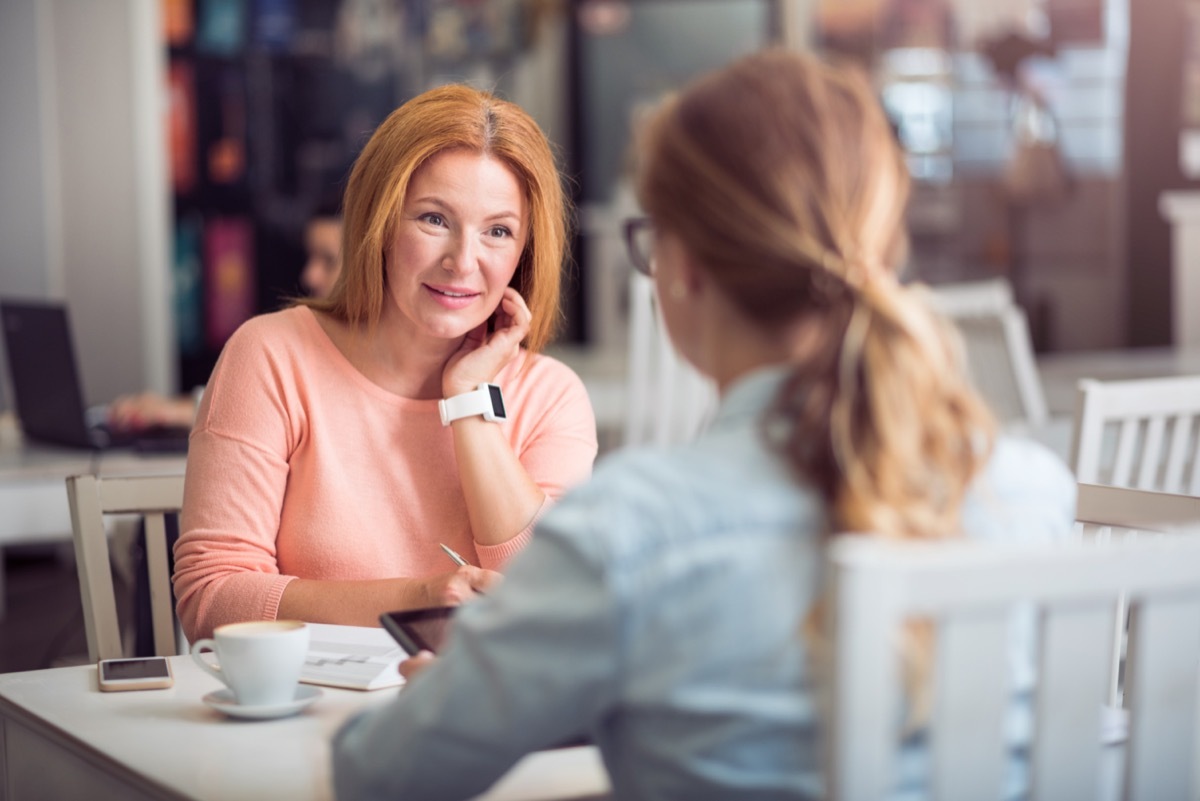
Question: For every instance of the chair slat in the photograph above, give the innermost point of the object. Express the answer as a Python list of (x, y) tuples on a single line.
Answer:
[(668, 400), (973, 694), (1085, 442), (161, 598), (1161, 690), (1148, 468), (1177, 453), (95, 574), (1000, 359), (1176, 456), (1073, 678), (1029, 381), (1122, 472), (1192, 454), (865, 688)]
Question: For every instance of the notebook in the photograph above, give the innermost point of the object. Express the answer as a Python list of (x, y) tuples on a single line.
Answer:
[(47, 392), (354, 657)]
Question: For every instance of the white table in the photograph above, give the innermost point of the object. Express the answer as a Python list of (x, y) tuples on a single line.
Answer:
[(60, 737)]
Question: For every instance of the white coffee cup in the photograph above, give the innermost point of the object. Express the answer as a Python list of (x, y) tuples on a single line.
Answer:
[(259, 661)]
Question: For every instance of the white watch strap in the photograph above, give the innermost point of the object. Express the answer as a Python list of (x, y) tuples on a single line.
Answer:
[(477, 401)]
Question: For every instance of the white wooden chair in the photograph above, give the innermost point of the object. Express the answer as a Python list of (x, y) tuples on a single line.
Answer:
[(1140, 433), (973, 298), (668, 401), (967, 590), (91, 500), (999, 349)]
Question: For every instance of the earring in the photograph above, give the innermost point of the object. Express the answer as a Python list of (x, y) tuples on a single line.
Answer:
[(678, 290)]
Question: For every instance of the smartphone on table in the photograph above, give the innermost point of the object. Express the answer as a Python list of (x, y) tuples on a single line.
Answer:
[(419, 629), (142, 673)]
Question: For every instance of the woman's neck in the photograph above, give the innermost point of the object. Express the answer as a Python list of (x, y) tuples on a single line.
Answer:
[(733, 346), (392, 356)]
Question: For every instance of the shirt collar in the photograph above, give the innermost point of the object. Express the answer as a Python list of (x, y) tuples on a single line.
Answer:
[(749, 396)]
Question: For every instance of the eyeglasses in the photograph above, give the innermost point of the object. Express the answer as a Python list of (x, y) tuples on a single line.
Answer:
[(639, 240)]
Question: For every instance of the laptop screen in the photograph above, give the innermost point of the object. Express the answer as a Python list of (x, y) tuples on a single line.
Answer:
[(45, 378)]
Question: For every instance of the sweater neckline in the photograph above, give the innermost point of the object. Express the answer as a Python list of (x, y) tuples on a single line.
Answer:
[(345, 367)]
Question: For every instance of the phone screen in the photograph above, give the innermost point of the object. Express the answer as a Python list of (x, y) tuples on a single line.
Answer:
[(120, 669), (419, 629)]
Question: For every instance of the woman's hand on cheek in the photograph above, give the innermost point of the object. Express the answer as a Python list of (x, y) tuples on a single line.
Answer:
[(484, 354)]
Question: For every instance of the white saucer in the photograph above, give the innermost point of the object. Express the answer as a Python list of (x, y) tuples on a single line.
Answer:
[(224, 701)]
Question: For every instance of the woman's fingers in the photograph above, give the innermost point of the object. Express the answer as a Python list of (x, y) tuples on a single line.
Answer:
[(416, 663)]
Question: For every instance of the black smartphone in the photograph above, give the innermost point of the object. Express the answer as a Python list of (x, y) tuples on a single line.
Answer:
[(419, 629)]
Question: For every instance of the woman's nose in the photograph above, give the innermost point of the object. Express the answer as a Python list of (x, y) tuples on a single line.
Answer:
[(460, 255)]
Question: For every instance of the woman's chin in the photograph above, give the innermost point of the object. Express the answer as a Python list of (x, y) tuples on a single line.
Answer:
[(451, 329)]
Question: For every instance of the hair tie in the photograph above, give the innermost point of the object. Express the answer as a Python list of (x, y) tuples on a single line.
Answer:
[(853, 342)]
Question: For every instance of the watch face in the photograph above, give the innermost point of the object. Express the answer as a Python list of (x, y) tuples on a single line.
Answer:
[(497, 402)]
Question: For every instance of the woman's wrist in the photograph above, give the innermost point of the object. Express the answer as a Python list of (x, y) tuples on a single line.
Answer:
[(450, 389)]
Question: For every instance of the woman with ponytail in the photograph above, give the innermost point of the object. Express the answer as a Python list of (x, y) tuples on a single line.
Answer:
[(666, 608)]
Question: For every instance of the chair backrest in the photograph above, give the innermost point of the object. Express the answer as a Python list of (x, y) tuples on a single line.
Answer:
[(968, 591), (91, 500), (668, 401), (999, 349), (1140, 433), (973, 298)]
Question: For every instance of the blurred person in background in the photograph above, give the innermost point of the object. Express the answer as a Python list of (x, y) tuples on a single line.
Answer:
[(323, 262)]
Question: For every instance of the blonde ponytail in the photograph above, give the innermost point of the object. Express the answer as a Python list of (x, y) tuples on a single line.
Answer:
[(905, 437), (908, 432)]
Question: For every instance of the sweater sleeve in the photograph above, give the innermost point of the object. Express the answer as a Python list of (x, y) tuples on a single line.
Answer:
[(237, 471)]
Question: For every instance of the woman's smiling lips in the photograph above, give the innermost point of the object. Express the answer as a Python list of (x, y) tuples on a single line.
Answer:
[(452, 297)]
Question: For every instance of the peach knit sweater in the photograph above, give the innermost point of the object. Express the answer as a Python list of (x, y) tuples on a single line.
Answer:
[(301, 467)]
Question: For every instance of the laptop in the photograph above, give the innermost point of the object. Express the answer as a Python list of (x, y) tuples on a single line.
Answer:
[(48, 393)]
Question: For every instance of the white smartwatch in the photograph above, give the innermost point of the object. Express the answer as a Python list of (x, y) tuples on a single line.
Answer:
[(485, 399)]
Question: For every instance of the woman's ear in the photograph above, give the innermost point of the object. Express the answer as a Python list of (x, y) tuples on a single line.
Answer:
[(691, 274)]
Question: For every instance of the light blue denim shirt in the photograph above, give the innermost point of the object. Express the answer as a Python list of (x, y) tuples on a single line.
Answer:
[(658, 611)]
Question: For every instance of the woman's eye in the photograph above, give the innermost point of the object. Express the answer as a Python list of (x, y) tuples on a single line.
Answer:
[(433, 218), (499, 231)]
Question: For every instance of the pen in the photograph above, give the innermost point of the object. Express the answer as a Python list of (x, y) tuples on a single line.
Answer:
[(458, 560)]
